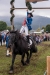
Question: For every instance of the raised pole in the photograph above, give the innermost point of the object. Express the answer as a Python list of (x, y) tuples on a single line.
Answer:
[(29, 7), (35, 0), (34, 8)]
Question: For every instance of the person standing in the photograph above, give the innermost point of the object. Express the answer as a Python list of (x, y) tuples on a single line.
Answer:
[(1, 39), (7, 37)]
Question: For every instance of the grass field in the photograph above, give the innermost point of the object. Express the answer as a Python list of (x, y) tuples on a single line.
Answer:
[(37, 64)]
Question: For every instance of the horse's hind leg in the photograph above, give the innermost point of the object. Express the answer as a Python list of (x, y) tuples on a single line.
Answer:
[(30, 54), (13, 59)]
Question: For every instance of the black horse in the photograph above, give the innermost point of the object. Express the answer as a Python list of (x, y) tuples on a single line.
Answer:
[(20, 46)]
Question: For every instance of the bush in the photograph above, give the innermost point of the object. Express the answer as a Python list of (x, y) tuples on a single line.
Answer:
[(48, 28)]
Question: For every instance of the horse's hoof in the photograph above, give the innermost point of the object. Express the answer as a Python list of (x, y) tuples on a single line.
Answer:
[(26, 63), (11, 72)]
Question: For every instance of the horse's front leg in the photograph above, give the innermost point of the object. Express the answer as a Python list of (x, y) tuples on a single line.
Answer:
[(27, 60), (13, 59), (22, 60)]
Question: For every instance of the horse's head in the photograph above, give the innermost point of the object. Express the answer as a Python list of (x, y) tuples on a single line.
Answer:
[(12, 37)]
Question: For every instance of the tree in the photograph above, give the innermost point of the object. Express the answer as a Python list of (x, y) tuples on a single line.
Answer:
[(48, 27), (44, 29), (9, 28), (3, 25)]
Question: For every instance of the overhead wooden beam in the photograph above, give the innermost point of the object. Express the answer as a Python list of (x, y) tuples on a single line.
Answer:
[(33, 8), (35, 0)]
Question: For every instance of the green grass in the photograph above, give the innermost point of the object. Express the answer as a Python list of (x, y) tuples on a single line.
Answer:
[(46, 42), (37, 64)]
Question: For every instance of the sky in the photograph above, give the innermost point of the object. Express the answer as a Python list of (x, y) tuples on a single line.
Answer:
[(5, 8)]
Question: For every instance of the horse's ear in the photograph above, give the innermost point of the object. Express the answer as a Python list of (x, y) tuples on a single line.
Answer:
[(17, 31)]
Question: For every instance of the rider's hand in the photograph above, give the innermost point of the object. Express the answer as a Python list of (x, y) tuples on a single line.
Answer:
[(32, 10)]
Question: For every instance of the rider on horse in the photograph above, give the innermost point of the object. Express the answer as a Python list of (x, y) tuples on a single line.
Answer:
[(26, 26)]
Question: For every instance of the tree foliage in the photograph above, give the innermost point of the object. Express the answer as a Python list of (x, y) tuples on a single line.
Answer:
[(9, 28), (3, 25), (48, 27), (44, 28)]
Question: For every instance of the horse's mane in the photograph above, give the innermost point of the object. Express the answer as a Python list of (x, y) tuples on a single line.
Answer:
[(18, 35)]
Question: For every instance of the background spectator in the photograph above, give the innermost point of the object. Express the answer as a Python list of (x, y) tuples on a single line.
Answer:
[(1, 39)]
